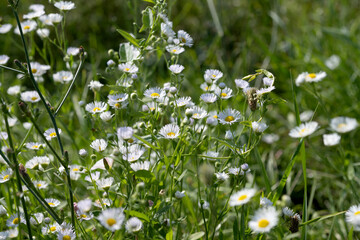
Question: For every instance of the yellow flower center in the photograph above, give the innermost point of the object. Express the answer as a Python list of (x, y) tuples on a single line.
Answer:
[(75, 169), (117, 105), (206, 88), (52, 134), (15, 221), (39, 185), (196, 115), (215, 116), (341, 125), (152, 109), (6, 177), (33, 70), (223, 94), (263, 223), (130, 140), (242, 197), (213, 76), (99, 148), (183, 40), (174, 50), (35, 147), (53, 229), (27, 27), (303, 130), (111, 221), (34, 98), (155, 95), (126, 69), (95, 109), (66, 237), (358, 212), (171, 134), (312, 75), (229, 118), (83, 216), (119, 99), (64, 77), (51, 204)]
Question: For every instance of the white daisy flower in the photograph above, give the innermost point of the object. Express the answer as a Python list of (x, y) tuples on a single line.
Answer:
[(14, 90), (270, 138), (306, 116), (268, 81), (96, 107), (95, 85), (140, 166), (154, 93), (34, 145), (40, 184), (206, 88), (197, 112), (166, 28), (288, 212), (174, 49), (4, 59), (225, 93), (133, 152), (331, 139), (12, 121), (213, 74), (179, 195), (259, 127), (105, 183), (38, 69), (264, 220), (5, 175), (43, 32), (309, 77), (170, 131), (13, 233), (94, 176), (125, 133), (3, 211), (229, 116), (221, 176), (5, 28), (176, 68), (183, 101), (51, 19), (4, 135), (37, 219), (185, 38), (63, 76), (305, 129), (352, 216), (117, 105), (333, 62), (106, 116), (343, 124), (265, 202), (120, 97), (30, 96), (50, 133), (66, 234), (133, 225), (242, 83), (99, 145), (26, 26), (262, 91), (52, 202), (234, 171), (14, 220), (65, 5), (73, 51), (83, 152), (208, 97), (128, 67), (241, 197), (32, 164), (36, 7), (105, 202), (32, 15), (112, 218)]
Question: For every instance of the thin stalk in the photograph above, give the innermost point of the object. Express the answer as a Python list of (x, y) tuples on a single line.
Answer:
[(69, 88), (34, 82), (11, 69)]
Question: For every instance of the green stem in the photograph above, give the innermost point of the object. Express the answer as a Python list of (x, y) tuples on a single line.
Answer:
[(12, 69)]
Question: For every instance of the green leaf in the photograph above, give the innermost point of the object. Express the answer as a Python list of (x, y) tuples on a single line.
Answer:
[(197, 235), (322, 218), (138, 215), (189, 206), (149, 1), (144, 174), (147, 19), (146, 142), (169, 235), (128, 52), (128, 37), (235, 230)]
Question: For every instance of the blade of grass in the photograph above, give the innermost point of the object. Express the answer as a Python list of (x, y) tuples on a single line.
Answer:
[(263, 170)]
